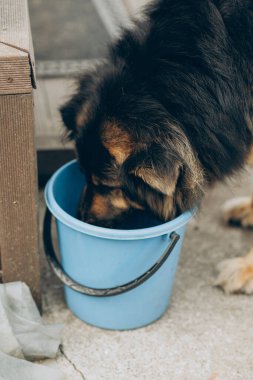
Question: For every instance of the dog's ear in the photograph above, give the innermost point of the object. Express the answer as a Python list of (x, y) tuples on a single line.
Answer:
[(76, 112), (163, 182), (157, 177), (164, 179), (68, 114), (151, 178)]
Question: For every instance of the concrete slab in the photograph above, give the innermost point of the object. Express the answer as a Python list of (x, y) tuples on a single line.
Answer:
[(63, 29), (204, 335)]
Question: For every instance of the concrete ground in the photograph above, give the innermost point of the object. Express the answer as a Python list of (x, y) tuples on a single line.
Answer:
[(204, 335), (63, 29)]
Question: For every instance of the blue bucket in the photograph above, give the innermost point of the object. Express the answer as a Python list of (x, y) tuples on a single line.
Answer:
[(114, 279)]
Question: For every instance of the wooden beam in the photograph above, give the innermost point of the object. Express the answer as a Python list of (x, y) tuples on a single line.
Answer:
[(18, 169), (18, 193), (15, 71)]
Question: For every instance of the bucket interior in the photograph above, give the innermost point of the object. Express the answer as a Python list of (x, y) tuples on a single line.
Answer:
[(62, 195), (67, 189)]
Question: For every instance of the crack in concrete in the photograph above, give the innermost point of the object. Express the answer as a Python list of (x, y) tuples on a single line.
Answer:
[(71, 363)]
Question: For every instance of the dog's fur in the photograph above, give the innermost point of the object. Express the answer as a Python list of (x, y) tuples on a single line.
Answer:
[(169, 111)]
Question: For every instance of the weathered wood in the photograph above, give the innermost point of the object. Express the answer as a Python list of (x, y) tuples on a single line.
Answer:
[(51, 94), (16, 51), (18, 192), (15, 24), (14, 71), (18, 169), (64, 68)]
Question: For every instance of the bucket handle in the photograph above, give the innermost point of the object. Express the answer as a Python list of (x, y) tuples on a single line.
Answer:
[(67, 280)]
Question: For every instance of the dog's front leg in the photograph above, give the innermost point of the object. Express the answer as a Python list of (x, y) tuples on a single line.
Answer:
[(236, 274), (239, 211)]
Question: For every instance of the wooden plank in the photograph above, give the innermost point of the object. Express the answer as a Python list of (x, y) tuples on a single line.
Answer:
[(15, 25), (58, 92), (51, 94), (1, 270), (9, 52), (15, 72), (17, 76), (64, 68), (18, 169), (41, 111), (18, 193)]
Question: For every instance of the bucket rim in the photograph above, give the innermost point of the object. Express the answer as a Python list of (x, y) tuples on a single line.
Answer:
[(108, 233)]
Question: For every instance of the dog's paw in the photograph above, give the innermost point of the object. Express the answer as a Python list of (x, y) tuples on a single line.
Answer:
[(239, 211), (236, 275)]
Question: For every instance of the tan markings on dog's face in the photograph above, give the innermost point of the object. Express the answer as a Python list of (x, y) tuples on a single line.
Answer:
[(118, 200), (116, 196), (104, 209), (99, 206), (102, 205), (83, 115), (116, 141)]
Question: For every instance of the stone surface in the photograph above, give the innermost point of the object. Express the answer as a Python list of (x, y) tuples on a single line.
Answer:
[(66, 29), (204, 335)]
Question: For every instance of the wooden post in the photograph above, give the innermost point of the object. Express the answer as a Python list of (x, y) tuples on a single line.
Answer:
[(19, 258)]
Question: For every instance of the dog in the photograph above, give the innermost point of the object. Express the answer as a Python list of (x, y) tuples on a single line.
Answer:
[(168, 113)]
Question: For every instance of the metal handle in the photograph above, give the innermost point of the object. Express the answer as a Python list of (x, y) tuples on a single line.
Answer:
[(63, 276)]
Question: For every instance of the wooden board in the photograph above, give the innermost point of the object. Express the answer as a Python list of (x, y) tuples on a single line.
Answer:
[(49, 96), (15, 72), (18, 193), (15, 25), (19, 260), (16, 51)]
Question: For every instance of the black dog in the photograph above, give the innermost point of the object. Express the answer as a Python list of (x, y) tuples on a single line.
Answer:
[(168, 113)]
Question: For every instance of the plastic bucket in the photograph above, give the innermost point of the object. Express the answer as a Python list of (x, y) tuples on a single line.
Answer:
[(115, 279)]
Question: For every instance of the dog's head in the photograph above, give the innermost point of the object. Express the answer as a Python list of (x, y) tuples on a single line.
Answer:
[(134, 156)]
